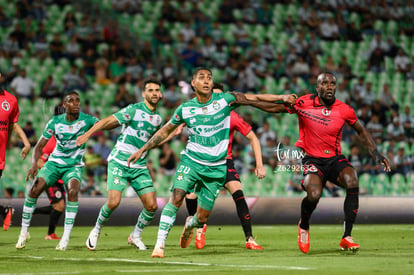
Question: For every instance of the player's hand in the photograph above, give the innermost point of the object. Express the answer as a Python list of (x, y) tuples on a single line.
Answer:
[(31, 174), (387, 166), (81, 140), (290, 99), (260, 172), (25, 151), (240, 99), (134, 157), (179, 129)]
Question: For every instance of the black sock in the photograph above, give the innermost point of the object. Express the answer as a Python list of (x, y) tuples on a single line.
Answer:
[(2, 211), (53, 220), (243, 213), (43, 210), (351, 205), (191, 206), (306, 212)]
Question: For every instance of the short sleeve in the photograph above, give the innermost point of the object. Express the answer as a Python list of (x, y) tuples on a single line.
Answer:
[(177, 117), (349, 115), (49, 130), (229, 99), (125, 115), (239, 124)]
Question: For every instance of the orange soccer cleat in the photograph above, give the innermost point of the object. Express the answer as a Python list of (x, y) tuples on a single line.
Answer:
[(347, 243), (187, 235), (303, 239), (52, 236), (200, 239), (158, 252), (251, 244), (8, 217)]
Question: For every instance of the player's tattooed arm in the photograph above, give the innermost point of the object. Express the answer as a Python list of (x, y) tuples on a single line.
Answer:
[(368, 141), (161, 135)]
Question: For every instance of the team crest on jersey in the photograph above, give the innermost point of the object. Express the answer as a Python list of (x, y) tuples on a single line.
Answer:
[(216, 105), (70, 127), (116, 180), (326, 111), (150, 118), (58, 194), (205, 110), (5, 105), (180, 177)]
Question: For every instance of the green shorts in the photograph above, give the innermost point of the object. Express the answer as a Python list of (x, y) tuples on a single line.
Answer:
[(205, 181), (51, 172), (119, 176)]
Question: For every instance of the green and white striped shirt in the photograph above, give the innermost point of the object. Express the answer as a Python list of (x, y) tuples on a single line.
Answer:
[(66, 153), (209, 127), (139, 124)]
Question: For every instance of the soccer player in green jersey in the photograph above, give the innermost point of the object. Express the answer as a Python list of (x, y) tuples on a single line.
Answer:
[(65, 162), (140, 122), (203, 162)]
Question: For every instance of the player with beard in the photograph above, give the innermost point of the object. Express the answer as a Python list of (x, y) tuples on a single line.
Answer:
[(140, 121), (321, 120)]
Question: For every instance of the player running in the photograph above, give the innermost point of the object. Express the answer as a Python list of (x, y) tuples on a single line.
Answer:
[(140, 122), (321, 120), (65, 162)]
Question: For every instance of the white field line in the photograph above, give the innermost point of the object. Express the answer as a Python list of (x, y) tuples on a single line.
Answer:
[(246, 267)]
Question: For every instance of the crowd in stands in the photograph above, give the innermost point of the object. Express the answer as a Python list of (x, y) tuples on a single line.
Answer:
[(244, 61)]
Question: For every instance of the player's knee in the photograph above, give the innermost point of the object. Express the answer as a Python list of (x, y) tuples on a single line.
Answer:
[(314, 195), (152, 207), (59, 206), (113, 204), (73, 194)]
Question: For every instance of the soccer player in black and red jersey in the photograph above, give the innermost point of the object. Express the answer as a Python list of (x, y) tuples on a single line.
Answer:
[(321, 120)]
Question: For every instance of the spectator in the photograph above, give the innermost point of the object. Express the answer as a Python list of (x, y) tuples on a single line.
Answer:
[(122, 97), (50, 89), (168, 160), (264, 133), (241, 35), (117, 69), (72, 49), (395, 130), (161, 35), (71, 80), (387, 99), (375, 128), (329, 30), (30, 134), (401, 62), (23, 86), (356, 159), (171, 98), (102, 149), (5, 21), (56, 48)]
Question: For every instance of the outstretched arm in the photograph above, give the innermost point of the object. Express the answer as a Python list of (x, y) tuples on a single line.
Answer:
[(288, 99), (271, 107), (160, 136), (22, 136), (260, 172), (369, 142), (31, 174), (107, 123)]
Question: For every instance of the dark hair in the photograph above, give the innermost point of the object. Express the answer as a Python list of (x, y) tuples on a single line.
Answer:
[(73, 92), (195, 72), (218, 85), (151, 80)]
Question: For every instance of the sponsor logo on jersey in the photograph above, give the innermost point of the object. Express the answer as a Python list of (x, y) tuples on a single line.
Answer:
[(192, 111), (326, 111), (151, 118), (5, 105), (192, 120), (205, 110), (176, 117), (127, 116)]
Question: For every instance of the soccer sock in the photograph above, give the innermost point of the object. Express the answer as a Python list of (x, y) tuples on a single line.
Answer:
[(191, 206), (193, 222), (145, 218), (43, 210), (70, 215), (243, 213), (103, 217), (351, 205), (306, 212), (28, 209), (53, 220), (168, 215), (2, 211)]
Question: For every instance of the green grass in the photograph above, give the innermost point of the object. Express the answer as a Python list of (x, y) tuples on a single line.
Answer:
[(385, 249)]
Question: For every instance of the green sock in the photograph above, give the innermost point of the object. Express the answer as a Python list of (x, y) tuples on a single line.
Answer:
[(70, 215), (28, 209), (145, 218), (103, 217), (193, 222), (168, 215)]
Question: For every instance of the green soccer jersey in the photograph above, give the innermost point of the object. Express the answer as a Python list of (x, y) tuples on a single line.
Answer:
[(209, 127), (139, 124), (66, 153)]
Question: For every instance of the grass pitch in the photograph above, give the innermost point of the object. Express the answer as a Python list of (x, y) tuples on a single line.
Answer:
[(385, 249)]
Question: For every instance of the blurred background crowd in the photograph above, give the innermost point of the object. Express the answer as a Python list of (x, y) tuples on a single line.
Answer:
[(105, 48)]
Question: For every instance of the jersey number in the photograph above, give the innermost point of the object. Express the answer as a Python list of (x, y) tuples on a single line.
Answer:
[(117, 171), (183, 169)]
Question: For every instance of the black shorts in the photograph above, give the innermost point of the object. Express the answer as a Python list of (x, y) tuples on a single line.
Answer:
[(325, 168), (56, 192), (1, 173), (232, 174)]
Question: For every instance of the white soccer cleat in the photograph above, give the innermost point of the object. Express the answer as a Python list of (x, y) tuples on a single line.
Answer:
[(62, 245), (92, 240), (137, 242), (21, 242)]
